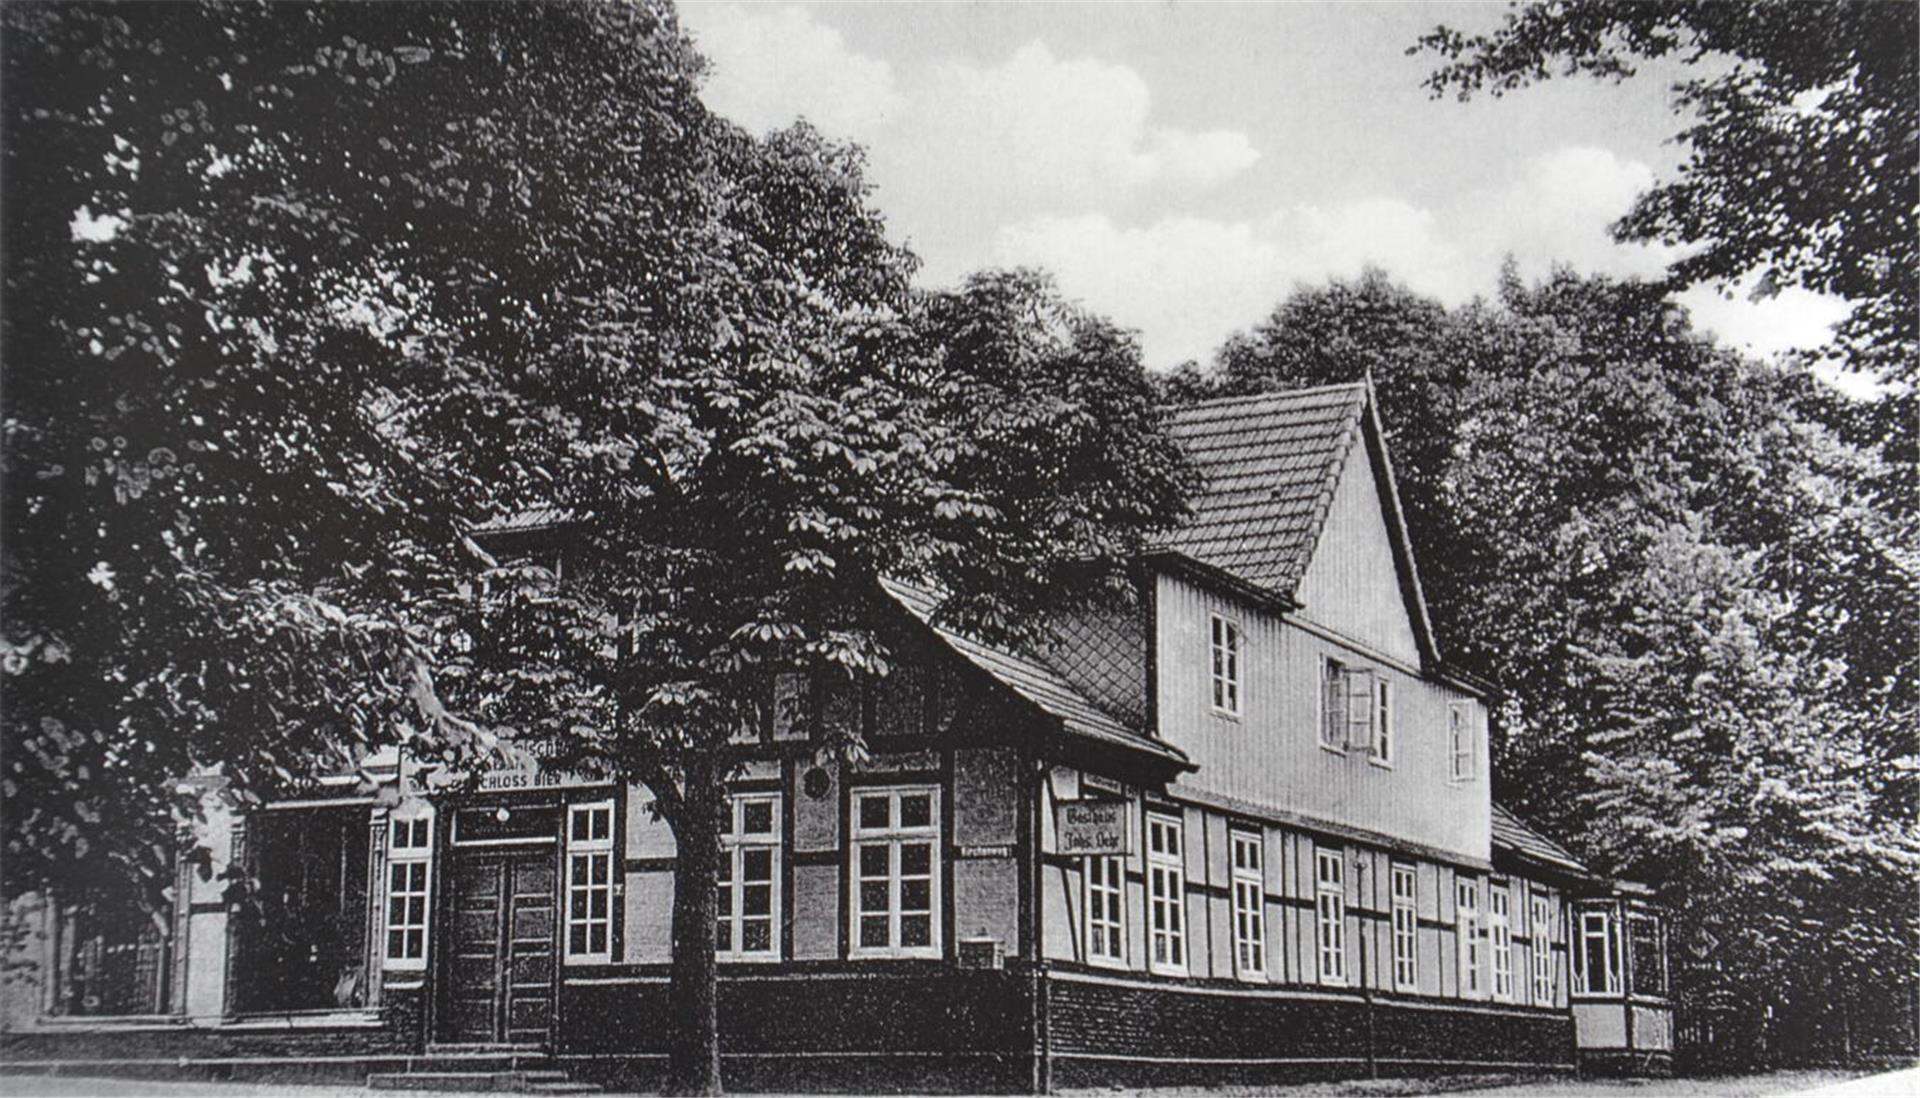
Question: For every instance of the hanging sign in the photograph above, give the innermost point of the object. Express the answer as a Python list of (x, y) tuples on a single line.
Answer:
[(1091, 827)]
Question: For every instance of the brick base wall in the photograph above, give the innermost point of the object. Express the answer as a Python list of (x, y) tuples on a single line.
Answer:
[(1141, 1033)]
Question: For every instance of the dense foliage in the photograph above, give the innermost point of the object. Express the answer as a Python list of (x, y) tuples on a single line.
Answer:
[(1803, 141), (370, 292), (1681, 573)]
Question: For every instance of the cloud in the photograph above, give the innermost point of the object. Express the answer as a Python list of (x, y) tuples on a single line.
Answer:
[(1183, 282), (1062, 133), (1561, 208), (772, 65), (963, 147), (1188, 283)]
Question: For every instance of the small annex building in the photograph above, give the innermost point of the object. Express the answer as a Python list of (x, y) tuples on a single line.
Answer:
[(1241, 831)]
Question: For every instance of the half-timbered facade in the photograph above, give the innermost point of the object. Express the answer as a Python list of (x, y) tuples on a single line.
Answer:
[(1241, 829)]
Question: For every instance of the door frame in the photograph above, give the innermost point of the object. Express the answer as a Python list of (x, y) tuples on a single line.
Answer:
[(551, 845)]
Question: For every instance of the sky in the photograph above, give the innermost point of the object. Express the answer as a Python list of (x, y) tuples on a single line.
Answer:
[(1180, 168)]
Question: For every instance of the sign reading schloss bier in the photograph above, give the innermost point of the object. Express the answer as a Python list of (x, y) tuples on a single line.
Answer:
[(1091, 827)]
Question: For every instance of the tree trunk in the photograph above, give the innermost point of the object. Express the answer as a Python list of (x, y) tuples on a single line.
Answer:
[(693, 1060)]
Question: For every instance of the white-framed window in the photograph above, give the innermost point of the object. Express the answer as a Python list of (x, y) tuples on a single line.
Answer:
[(1598, 969), (896, 872), (1500, 930), (1106, 909), (1330, 907), (589, 921), (1333, 705), (409, 880), (1406, 928), (1226, 665), (1381, 745), (1540, 930), (1249, 906), (1355, 711), (1460, 746), (1166, 896), (749, 912), (1467, 921)]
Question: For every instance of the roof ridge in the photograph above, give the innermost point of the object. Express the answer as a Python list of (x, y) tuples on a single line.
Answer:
[(1271, 394)]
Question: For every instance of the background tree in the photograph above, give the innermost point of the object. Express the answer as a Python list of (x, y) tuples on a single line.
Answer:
[(1803, 141), (1686, 579)]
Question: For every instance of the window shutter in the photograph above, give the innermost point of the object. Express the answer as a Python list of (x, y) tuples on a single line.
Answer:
[(1359, 693)]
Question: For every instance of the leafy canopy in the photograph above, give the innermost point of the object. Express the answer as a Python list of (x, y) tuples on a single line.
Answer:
[(1803, 141)]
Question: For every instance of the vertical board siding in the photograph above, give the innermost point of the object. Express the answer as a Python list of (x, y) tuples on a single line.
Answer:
[(1352, 584), (1271, 754)]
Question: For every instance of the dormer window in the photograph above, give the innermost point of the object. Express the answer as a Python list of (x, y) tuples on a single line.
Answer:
[(1226, 666)]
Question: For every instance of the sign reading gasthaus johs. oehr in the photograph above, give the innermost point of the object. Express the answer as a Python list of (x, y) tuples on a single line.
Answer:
[(1091, 827)]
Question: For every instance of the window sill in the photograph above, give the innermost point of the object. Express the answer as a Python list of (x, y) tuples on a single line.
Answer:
[(1179, 972), (1384, 764), (1116, 964), (1332, 750), (746, 958), (1227, 714), (894, 954)]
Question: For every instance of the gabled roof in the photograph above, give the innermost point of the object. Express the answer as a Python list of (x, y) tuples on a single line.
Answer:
[(1514, 837), (1269, 465), (1034, 681)]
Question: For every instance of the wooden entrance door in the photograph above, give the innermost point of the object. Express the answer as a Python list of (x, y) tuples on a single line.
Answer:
[(500, 957)]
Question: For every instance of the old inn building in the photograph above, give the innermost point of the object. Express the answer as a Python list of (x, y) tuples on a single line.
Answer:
[(1242, 831)]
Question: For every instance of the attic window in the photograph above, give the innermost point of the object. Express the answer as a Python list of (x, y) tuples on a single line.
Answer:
[(1226, 666)]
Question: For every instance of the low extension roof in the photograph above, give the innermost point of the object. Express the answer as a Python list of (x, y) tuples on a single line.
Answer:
[(1035, 682), (1510, 835)]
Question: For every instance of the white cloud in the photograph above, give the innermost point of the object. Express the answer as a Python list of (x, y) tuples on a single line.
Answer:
[(1794, 320), (1062, 133), (1183, 282), (1560, 209), (963, 147), (772, 65)]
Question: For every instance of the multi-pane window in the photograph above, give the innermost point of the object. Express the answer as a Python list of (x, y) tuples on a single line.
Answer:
[(409, 865), (590, 882), (1467, 920), (1330, 877), (1226, 665), (1598, 970), (1381, 747), (1646, 942), (1356, 711), (749, 911), (1166, 896), (1500, 929), (1540, 930), (1406, 928), (1249, 907), (1106, 904), (896, 878), (1460, 741)]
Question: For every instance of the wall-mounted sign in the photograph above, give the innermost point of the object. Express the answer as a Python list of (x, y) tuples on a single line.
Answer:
[(529, 774), (1091, 827), (998, 850)]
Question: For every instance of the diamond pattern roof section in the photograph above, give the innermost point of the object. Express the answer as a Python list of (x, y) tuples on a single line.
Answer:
[(1269, 465), (1512, 835), (1032, 680)]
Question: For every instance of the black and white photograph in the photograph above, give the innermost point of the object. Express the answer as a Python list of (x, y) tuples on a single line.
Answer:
[(1317, 548)]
